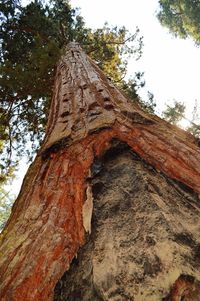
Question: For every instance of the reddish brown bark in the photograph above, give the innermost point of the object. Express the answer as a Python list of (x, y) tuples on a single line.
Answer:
[(186, 288), (46, 227)]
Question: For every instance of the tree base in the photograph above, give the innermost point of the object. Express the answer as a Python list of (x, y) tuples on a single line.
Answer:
[(144, 236)]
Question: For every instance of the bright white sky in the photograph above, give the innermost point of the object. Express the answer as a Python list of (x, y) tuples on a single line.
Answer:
[(171, 65)]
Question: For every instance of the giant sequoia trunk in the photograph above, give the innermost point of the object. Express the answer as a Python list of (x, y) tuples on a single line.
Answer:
[(109, 210)]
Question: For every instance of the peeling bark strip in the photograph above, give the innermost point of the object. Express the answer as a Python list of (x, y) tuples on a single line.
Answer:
[(45, 229)]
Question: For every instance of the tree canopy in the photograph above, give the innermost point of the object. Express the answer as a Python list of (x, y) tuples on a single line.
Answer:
[(6, 201), (194, 127), (32, 39), (175, 113), (181, 18)]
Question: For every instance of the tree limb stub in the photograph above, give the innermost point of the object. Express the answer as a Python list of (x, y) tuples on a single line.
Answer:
[(45, 229)]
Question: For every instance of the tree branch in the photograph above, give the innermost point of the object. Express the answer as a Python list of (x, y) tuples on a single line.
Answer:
[(111, 42)]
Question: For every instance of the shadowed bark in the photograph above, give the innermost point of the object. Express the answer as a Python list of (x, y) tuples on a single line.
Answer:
[(53, 211)]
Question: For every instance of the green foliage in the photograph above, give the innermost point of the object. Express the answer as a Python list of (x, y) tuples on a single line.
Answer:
[(31, 43), (175, 113), (181, 18), (194, 127), (6, 201), (150, 105), (107, 46), (132, 87)]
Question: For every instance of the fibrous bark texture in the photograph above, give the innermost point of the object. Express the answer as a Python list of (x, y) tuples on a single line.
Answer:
[(53, 211)]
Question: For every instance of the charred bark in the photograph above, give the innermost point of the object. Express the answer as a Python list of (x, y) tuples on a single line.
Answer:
[(144, 236), (53, 211)]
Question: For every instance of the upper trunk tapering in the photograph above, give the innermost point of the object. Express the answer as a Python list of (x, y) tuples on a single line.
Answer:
[(84, 100)]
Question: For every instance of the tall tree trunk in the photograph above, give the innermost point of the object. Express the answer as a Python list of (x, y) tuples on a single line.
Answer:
[(53, 211)]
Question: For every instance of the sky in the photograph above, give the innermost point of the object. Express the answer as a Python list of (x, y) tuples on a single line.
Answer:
[(171, 66)]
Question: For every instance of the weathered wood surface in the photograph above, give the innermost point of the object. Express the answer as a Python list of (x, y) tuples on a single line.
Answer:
[(46, 227), (145, 234)]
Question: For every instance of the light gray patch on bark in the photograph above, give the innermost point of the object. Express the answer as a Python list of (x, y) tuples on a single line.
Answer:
[(145, 234)]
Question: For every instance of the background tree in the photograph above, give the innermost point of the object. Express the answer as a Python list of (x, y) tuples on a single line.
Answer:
[(194, 127), (175, 113), (181, 18), (132, 87), (32, 39), (6, 200)]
